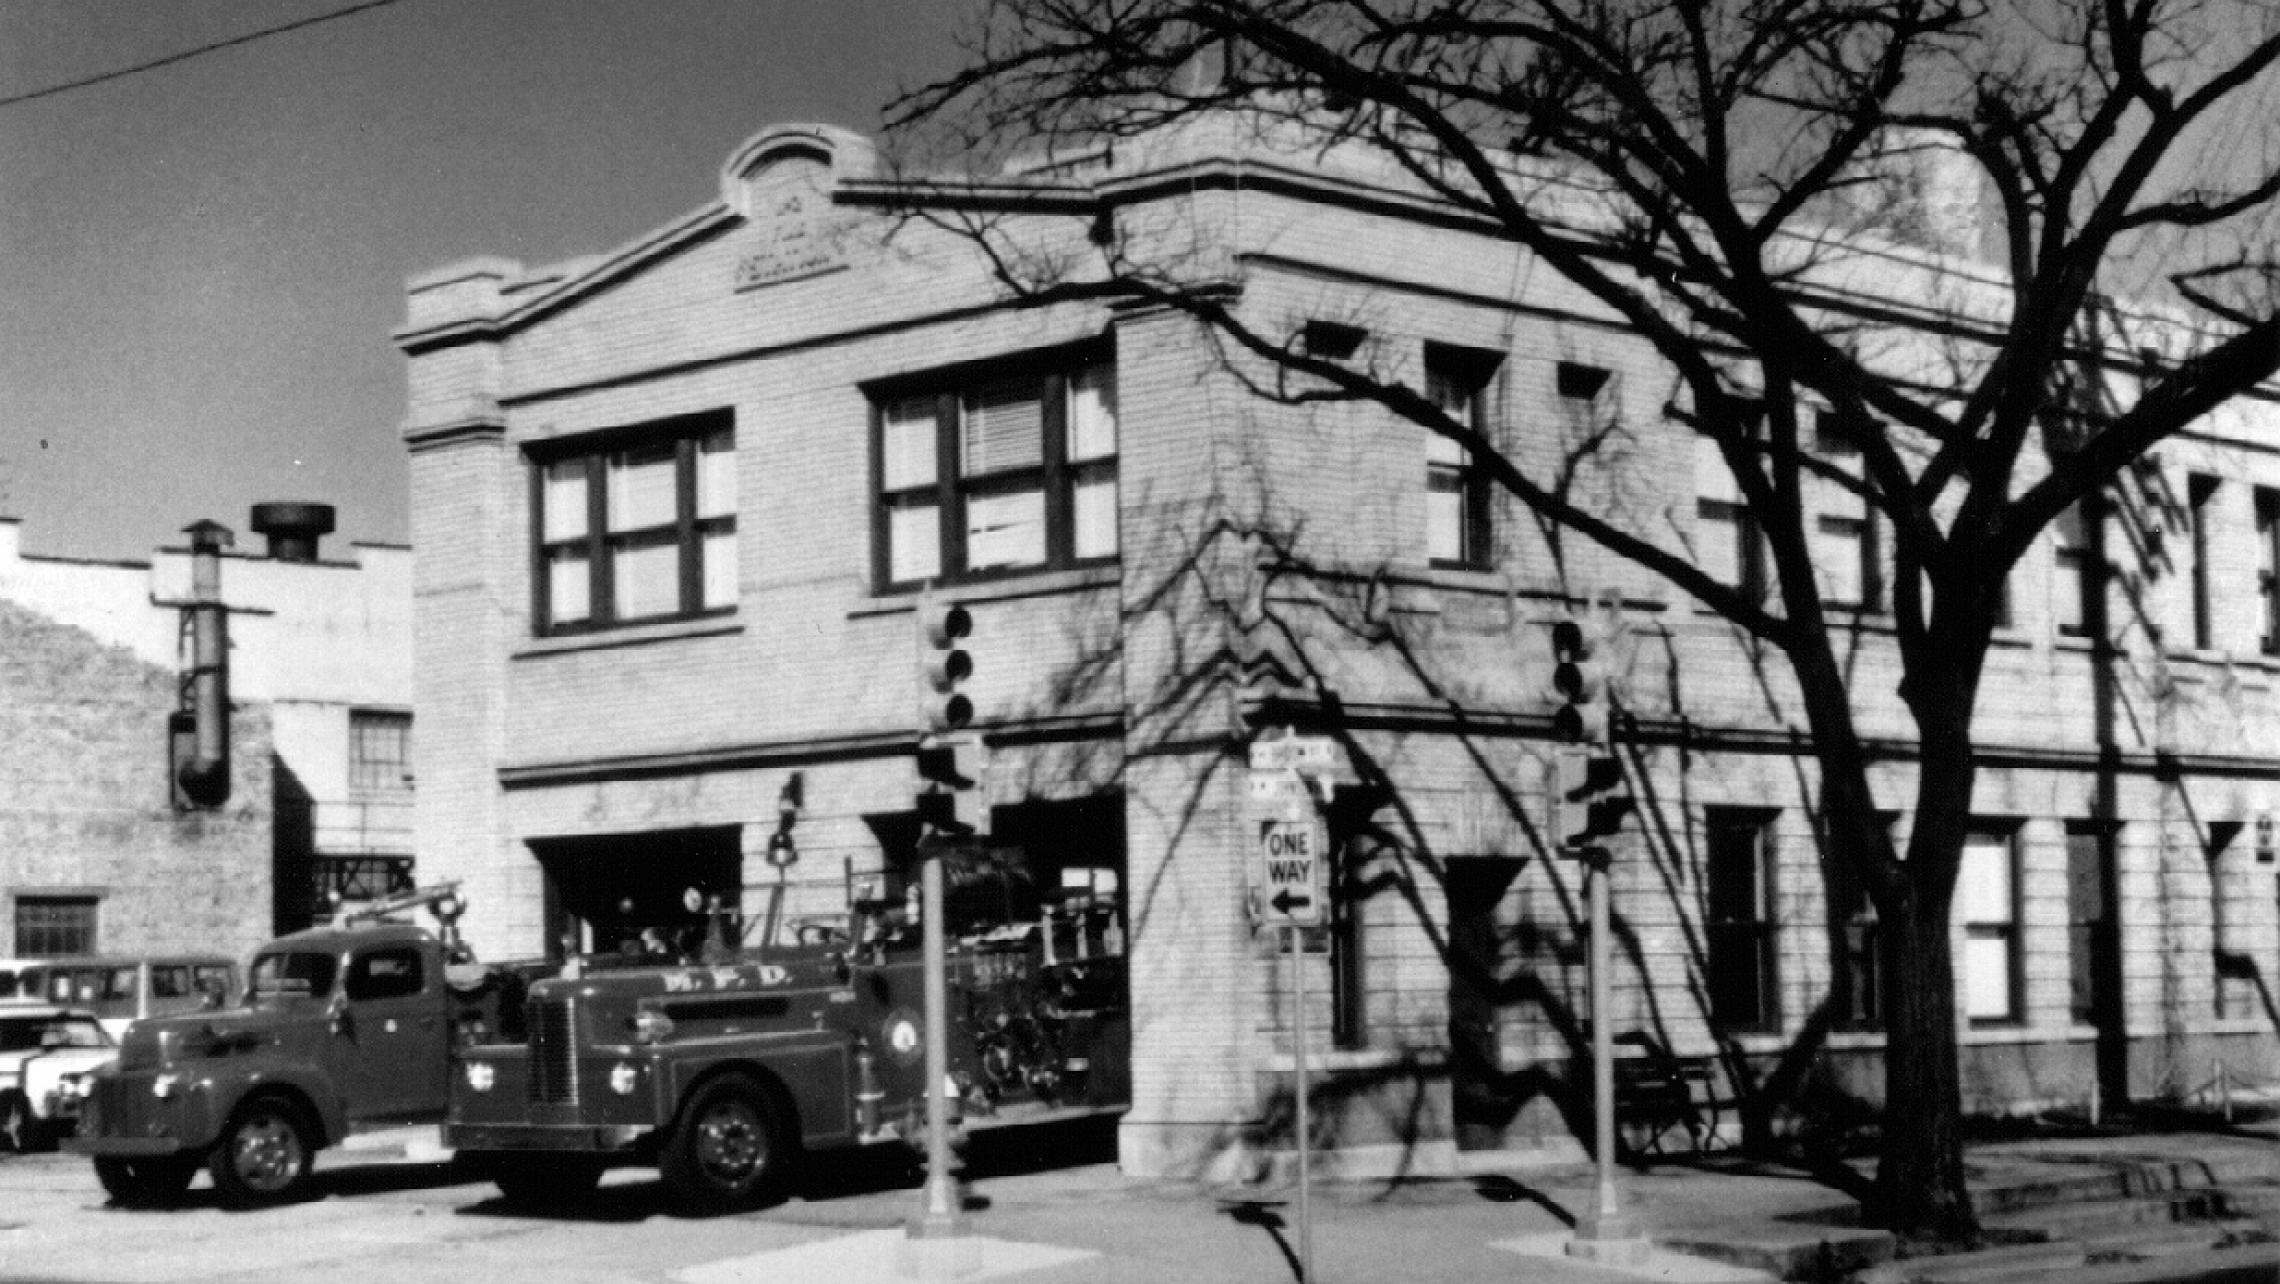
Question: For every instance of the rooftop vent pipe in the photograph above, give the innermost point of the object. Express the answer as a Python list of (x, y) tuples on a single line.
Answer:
[(293, 529), (204, 775)]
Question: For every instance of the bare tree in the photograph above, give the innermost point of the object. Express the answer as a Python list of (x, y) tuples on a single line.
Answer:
[(1704, 169)]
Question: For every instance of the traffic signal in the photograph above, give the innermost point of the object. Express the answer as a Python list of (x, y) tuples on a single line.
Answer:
[(1576, 682), (951, 797), (943, 667), (1594, 798)]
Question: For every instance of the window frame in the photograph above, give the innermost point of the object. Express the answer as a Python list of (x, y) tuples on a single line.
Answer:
[(1856, 523), (2267, 502), (689, 530), (2006, 930), (1056, 373), (369, 773), (29, 937), (2200, 500), (1756, 938), (1469, 378)]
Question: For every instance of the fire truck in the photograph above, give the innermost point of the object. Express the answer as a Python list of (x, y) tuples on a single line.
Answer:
[(725, 1067), (342, 1027)]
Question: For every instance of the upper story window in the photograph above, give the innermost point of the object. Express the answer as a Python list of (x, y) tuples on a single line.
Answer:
[(2074, 584), (1849, 558), (2268, 567), (2200, 503), (1728, 547), (636, 526), (379, 750), (998, 475), (1457, 527)]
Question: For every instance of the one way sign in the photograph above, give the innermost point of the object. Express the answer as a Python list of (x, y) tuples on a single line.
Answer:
[(1291, 878)]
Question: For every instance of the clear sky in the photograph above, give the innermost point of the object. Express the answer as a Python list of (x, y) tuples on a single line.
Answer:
[(200, 264)]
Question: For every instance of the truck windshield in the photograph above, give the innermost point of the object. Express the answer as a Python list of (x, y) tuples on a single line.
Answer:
[(290, 973)]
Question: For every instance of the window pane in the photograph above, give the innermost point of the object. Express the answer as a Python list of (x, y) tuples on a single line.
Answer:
[(1004, 428), (647, 577), (1983, 886), (1093, 514), (1452, 395), (1005, 530), (568, 596), (716, 476), (914, 542), (1444, 523), (563, 500), (1092, 414), (641, 488), (1842, 559), (907, 444), (1987, 977), (1442, 452), (379, 749), (720, 569)]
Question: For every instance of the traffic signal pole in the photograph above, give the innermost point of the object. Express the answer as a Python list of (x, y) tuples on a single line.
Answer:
[(1590, 801)]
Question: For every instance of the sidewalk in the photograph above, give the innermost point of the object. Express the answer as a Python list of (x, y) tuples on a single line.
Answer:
[(1721, 1220)]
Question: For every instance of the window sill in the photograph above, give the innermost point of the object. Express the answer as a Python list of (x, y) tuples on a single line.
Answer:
[(1004, 589), (2210, 658), (1996, 1034), (1353, 1060), (631, 635)]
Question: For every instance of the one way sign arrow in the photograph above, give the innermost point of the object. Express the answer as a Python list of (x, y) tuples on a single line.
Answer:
[(1289, 905)]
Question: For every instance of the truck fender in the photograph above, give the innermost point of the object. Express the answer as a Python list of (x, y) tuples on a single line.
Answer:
[(813, 1079), (312, 1093)]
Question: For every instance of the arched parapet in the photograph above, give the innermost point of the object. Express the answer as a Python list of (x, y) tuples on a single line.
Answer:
[(792, 156)]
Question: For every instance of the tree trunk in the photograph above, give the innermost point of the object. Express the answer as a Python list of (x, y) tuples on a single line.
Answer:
[(1919, 1183)]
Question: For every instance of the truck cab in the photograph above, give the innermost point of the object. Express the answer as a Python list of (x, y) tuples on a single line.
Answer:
[(341, 1028)]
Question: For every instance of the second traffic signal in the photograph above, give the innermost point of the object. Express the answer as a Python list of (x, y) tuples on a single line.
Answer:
[(952, 798), (1594, 798)]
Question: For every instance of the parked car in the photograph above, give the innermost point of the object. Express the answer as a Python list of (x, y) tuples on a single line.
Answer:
[(39, 1046), (121, 990)]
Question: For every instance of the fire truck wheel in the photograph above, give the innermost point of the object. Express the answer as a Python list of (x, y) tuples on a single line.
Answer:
[(145, 1183), (263, 1155), (538, 1180), (730, 1149)]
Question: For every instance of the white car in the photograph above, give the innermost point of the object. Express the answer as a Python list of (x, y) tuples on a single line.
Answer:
[(40, 1046)]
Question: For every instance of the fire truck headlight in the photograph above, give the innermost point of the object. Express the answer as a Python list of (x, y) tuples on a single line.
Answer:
[(481, 1075), (650, 1026), (624, 1078), (164, 1085)]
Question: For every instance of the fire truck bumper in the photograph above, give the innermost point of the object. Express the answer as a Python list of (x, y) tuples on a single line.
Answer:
[(552, 1137)]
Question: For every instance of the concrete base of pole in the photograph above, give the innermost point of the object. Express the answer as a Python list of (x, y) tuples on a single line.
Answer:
[(945, 1257), (1612, 1240)]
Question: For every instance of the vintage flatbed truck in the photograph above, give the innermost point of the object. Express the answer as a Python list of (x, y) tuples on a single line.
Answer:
[(724, 1072), (342, 1027)]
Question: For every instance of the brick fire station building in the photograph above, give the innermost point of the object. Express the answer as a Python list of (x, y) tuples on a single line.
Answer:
[(674, 507)]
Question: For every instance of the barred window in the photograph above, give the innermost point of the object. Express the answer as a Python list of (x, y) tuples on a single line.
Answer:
[(47, 926)]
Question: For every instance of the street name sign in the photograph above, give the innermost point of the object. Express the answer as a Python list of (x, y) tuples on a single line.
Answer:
[(1304, 753), (1291, 882)]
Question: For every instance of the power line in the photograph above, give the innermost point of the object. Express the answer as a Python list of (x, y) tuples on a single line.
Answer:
[(187, 54)]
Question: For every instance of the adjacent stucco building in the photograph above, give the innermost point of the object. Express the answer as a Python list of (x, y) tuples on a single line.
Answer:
[(102, 852)]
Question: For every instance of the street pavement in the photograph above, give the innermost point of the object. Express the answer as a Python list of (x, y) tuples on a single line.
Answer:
[(393, 1208)]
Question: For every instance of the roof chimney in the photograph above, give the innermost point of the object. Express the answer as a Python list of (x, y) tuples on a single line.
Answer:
[(293, 529)]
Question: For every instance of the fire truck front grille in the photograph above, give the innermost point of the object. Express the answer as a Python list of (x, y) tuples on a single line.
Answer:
[(553, 1052)]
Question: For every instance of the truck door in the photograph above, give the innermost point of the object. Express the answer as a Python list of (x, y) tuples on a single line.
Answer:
[(389, 1042)]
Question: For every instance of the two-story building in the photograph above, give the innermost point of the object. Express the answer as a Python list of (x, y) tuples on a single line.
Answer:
[(677, 508)]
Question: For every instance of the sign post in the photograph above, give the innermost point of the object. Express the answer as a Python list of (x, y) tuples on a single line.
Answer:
[(1292, 886)]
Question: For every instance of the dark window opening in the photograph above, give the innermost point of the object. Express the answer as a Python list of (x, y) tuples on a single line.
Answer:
[(47, 926), (1740, 931)]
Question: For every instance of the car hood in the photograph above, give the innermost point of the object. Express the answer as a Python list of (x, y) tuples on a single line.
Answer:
[(159, 1040)]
